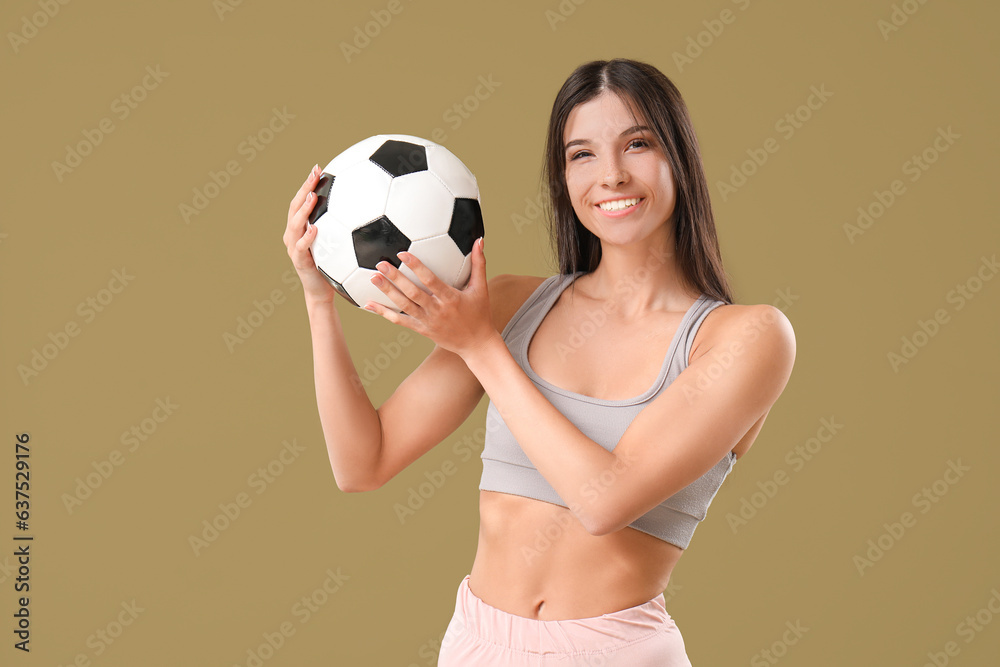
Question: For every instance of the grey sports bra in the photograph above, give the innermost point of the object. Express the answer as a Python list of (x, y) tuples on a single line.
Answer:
[(507, 469)]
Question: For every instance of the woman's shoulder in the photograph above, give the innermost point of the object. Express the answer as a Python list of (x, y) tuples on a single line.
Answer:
[(758, 325)]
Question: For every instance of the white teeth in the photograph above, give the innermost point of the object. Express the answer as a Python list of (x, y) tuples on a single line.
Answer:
[(618, 204)]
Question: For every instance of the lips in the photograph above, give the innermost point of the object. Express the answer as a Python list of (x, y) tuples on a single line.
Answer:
[(620, 204)]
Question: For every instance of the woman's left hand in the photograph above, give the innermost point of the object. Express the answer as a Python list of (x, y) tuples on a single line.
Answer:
[(457, 320)]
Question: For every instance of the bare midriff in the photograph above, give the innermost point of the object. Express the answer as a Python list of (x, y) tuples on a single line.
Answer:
[(536, 560)]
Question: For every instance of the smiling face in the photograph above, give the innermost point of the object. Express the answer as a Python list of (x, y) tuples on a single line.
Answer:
[(617, 175)]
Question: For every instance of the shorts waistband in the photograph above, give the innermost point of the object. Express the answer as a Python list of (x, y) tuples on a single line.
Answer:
[(607, 631)]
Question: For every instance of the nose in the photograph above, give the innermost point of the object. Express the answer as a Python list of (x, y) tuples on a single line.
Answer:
[(615, 173)]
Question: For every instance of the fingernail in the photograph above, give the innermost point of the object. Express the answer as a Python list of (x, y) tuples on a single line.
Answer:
[(309, 197)]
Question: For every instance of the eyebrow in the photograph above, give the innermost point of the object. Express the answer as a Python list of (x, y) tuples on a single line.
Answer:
[(631, 130)]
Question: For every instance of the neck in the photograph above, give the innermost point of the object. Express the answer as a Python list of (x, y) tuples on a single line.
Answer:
[(639, 279)]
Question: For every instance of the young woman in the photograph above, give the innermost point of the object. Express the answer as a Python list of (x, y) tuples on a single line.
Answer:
[(622, 389)]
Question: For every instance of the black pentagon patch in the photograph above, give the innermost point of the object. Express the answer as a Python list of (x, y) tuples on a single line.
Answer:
[(378, 241), (337, 286), (466, 224), (322, 197), (399, 158)]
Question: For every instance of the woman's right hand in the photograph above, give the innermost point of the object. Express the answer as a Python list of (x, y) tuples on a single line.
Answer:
[(298, 237)]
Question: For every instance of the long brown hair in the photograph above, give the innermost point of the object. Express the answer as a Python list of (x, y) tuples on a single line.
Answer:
[(654, 97)]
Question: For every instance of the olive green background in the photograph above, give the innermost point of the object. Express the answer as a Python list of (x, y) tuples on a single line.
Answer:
[(850, 300)]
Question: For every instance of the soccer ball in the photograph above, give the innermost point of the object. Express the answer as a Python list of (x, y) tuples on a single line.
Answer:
[(386, 194)]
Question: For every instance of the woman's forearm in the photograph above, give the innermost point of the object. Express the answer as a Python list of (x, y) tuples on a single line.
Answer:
[(567, 459), (351, 425)]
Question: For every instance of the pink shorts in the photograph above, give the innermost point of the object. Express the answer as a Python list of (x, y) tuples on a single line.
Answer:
[(483, 636)]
